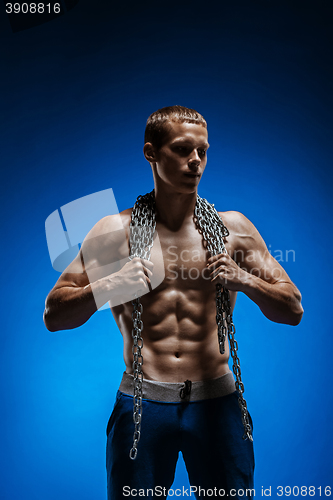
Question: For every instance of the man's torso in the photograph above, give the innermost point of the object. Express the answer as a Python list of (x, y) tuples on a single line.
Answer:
[(179, 316)]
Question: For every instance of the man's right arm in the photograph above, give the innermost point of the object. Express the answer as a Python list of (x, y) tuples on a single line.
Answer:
[(97, 275)]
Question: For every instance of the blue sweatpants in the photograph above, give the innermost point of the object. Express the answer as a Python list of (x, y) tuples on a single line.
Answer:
[(209, 433)]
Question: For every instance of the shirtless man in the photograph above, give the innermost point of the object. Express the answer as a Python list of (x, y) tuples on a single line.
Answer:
[(189, 398)]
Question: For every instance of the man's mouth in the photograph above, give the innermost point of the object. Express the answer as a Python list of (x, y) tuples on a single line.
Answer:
[(192, 175)]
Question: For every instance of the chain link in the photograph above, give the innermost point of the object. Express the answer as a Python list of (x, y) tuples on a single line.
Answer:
[(213, 231)]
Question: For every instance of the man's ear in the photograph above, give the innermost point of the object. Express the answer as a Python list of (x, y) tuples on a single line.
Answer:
[(149, 152)]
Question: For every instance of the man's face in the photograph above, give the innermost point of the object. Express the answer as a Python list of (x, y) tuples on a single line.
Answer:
[(180, 162)]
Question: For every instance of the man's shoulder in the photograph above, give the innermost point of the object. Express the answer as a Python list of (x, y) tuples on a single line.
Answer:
[(111, 223), (236, 221), (107, 241), (242, 232)]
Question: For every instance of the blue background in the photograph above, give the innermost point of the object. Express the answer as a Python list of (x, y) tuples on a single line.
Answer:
[(75, 95)]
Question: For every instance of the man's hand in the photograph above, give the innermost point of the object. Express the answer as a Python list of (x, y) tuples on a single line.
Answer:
[(255, 272), (134, 279), (225, 271)]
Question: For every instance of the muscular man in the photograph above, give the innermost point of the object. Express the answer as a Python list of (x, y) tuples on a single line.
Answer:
[(189, 399)]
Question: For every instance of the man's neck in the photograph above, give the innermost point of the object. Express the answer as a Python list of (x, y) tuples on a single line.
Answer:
[(174, 210)]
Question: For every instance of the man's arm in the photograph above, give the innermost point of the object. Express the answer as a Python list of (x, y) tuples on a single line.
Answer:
[(95, 277), (256, 273)]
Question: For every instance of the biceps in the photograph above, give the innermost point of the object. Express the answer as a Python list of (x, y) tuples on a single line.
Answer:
[(74, 275), (263, 265), (81, 272)]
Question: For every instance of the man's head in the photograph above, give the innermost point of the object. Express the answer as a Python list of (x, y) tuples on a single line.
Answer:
[(176, 143), (159, 123)]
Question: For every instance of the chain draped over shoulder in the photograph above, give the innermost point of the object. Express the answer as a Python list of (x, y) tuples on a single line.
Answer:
[(210, 225)]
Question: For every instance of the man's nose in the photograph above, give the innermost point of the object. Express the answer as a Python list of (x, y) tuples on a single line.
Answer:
[(194, 160)]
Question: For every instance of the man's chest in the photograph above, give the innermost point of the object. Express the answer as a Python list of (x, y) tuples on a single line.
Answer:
[(184, 256)]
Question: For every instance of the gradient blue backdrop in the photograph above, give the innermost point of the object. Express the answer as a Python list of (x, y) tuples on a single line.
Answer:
[(75, 94)]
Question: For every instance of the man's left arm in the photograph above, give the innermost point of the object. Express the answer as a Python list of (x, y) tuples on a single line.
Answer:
[(256, 273)]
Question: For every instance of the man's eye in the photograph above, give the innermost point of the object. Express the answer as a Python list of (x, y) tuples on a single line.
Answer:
[(182, 150), (202, 152)]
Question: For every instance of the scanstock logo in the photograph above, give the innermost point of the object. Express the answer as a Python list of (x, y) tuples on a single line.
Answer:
[(23, 15)]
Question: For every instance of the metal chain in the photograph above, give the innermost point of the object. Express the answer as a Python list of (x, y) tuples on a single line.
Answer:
[(236, 369), (138, 374), (213, 230), (142, 230), (210, 225)]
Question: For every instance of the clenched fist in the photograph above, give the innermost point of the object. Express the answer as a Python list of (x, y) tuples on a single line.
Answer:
[(225, 270), (134, 279)]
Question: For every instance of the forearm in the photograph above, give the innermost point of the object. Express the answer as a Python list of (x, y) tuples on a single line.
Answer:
[(279, 302), (68, 307)]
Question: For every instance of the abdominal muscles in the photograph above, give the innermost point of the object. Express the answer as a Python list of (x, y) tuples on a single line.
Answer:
[(179, 335)]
